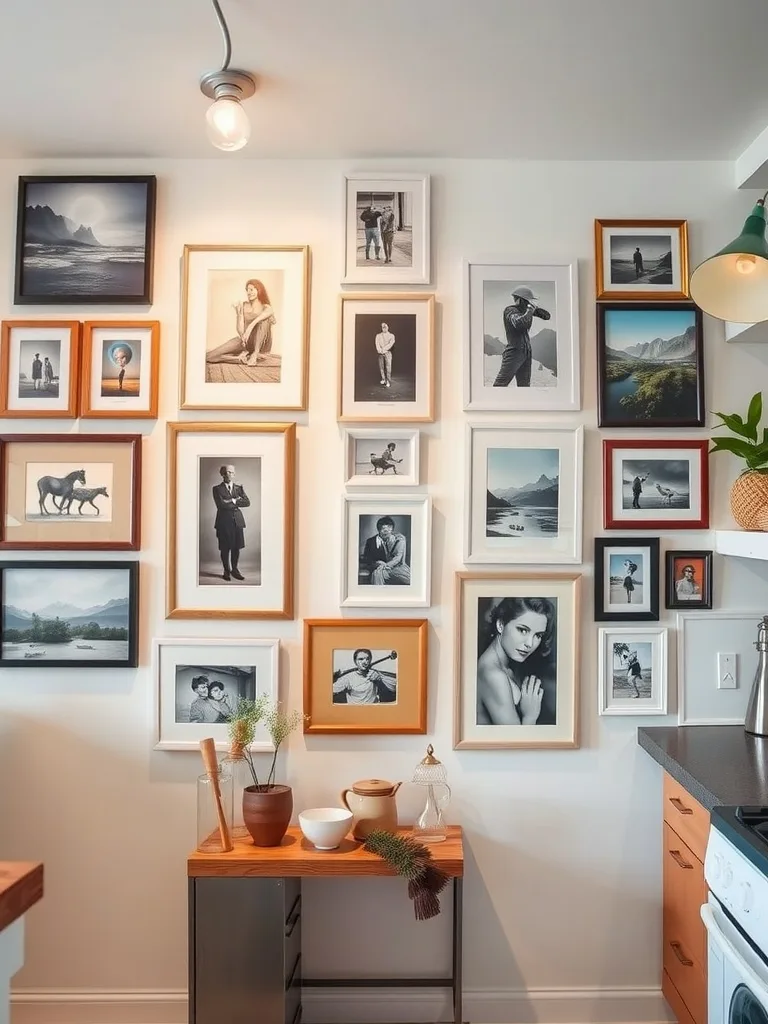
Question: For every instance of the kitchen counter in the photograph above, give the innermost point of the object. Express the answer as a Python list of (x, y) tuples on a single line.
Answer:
[(717, 764)]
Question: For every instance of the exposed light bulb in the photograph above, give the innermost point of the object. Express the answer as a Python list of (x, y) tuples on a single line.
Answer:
[(227, 123), (746, 264)]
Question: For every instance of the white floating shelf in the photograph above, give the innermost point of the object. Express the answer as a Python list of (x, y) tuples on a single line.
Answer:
[(742, 543)]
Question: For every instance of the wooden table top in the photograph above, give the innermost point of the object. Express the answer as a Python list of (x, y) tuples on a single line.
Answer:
[(297, 857), (21, 886)]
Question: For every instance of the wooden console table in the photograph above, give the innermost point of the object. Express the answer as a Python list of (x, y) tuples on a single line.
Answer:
[(21, 886), (245, 927)]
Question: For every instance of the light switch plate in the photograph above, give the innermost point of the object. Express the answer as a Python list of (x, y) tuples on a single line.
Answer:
[(726, 671)]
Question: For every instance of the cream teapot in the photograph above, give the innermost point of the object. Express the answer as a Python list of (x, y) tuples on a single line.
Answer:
[(373, 806)]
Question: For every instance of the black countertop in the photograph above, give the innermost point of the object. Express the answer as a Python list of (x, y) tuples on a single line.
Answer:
[(717, 764)]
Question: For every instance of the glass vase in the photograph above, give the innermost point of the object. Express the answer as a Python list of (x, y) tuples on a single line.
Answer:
[(241, 777), (209, 837)]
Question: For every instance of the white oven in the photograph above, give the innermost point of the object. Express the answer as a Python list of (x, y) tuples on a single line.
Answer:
[(737, 976)]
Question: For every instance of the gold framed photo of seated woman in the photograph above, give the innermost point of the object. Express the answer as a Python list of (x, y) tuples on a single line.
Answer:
[(244, 331), (517, 661)]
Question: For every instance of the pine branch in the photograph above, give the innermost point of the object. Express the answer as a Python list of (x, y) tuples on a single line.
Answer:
[(411, 859)]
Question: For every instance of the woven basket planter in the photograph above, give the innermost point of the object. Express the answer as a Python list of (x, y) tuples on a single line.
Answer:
[(749, 500)]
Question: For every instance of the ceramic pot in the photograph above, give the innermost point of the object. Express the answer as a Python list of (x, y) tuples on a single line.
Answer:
[(749, 500), (267, 813), (373, 806)]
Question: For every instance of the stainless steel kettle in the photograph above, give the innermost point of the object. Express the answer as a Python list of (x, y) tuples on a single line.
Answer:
[(756, 721)]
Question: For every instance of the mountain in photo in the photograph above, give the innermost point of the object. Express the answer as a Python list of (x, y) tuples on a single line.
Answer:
[(113, 613), (683, 346), (543, 347), (542, 493), (491, 501), (44, 227)]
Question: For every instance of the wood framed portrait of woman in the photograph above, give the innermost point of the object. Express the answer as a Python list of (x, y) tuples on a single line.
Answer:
[(245, 315)]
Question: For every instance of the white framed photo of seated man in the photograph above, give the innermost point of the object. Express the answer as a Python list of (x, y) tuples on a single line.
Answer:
[(386, 551)]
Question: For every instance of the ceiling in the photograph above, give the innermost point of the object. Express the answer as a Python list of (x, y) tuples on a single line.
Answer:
[(543, 79)]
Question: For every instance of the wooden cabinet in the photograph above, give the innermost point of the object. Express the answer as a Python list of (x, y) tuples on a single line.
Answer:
[(684, 979)]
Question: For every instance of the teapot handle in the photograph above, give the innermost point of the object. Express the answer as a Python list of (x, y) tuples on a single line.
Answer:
[(345, 801), (444, 800), (395, 788)]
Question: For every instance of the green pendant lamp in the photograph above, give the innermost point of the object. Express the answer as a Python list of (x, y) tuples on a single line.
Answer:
[(733, 284)]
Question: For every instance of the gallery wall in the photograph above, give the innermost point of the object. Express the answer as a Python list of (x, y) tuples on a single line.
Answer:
[(562, 895)]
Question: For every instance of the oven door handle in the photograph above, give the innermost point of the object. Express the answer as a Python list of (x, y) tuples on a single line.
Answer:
[(712, 918)]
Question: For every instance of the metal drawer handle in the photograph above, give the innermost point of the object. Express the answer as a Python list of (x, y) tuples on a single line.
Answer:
[(293, 972), (677, 949), (678, 804), (679, 860), (293, 917)]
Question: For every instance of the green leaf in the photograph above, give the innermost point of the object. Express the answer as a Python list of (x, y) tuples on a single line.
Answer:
[(736, 424), (755, 411), (735, 446)]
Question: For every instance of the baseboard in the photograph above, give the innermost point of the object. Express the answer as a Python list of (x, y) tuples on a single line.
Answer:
[(354, 1006)]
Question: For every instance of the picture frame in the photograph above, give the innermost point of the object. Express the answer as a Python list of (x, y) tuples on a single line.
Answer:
[(69, 614), (70, 492), (120, 369), (632, 661), (259, 583), (186, 712), (245, 327), (688, 580), (678, 496), (386, 551), (551, 376), (641, 259), (626, 579), (396, 649), (28, 388), (650, 365), (377, 457), (115, 218), (505, 620), (400, 235), (523, 492), (395, 385)]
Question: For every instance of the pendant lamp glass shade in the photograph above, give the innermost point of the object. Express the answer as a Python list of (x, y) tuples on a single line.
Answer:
[(228, 125), (733, 284)]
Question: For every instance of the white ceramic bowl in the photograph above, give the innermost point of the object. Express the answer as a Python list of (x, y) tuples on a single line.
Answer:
[(325, 827)]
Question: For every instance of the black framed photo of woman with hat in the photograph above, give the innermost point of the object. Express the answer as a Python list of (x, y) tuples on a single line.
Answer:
[(522, 337)]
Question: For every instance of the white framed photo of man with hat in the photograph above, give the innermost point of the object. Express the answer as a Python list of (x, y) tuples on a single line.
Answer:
[(521, 336)]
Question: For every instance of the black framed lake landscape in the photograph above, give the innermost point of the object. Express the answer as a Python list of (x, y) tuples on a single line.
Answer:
[(85, 240), (650, 365)]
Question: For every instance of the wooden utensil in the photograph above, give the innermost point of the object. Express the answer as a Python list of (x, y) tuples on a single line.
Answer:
[(208, 750)]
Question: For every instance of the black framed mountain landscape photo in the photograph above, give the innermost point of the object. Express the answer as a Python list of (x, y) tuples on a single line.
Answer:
[(650, 365), (85, 240)]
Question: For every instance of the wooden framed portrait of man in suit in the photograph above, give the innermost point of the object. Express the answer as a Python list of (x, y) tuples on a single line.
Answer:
[(230, 537)]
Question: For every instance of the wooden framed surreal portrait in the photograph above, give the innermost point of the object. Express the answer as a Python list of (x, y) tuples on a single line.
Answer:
[(120, 368), (83, 240), (365, 675), (377, 457), (386, 551), (626, 579), (386, 228), (641, 259), (199, 684), (39, 367), (244, 327), (521, 349), (230, 520), (523, 492), (69, 614), (655, 485), (632, 671), (650, 365), (517, 660), (688, 580), (77, 492), (386, 358)]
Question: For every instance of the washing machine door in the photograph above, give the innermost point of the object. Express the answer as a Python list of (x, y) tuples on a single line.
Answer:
[(745, 1007), (738, 975)]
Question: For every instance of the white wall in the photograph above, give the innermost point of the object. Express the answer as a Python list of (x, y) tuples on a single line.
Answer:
[(563, 867)]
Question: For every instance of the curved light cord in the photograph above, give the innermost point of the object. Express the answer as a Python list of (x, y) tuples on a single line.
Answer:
[(225, 33)]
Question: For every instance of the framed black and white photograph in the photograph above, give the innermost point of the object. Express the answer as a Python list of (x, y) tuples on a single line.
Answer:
[(199, 684), (688, 580), (69, 614), (650, 364), (364, 676), (85, 240), (386, 551), (387, 228), (641, 259), (39, 367), (517, 661), (632, 671), (523, 494), (381, 458), (656, 485), (627, 579), (387, 358), (231, 511), (521, 337)]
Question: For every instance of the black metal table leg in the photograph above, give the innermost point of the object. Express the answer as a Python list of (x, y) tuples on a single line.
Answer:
[(458, 924)]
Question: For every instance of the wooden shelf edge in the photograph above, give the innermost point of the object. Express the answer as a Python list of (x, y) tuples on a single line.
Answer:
[(21, 886)]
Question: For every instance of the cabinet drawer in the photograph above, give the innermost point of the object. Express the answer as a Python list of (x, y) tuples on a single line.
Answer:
[(675, 1001), (686, 816), (688, 978), (684, 892)]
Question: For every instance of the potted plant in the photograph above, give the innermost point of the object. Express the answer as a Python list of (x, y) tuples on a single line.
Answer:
[(267, 806), (749, 493)]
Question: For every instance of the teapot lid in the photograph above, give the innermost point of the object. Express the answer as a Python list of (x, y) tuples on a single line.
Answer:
[(373, 787)]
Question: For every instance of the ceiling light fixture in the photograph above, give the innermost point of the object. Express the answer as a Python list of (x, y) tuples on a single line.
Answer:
[(226, 120)]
